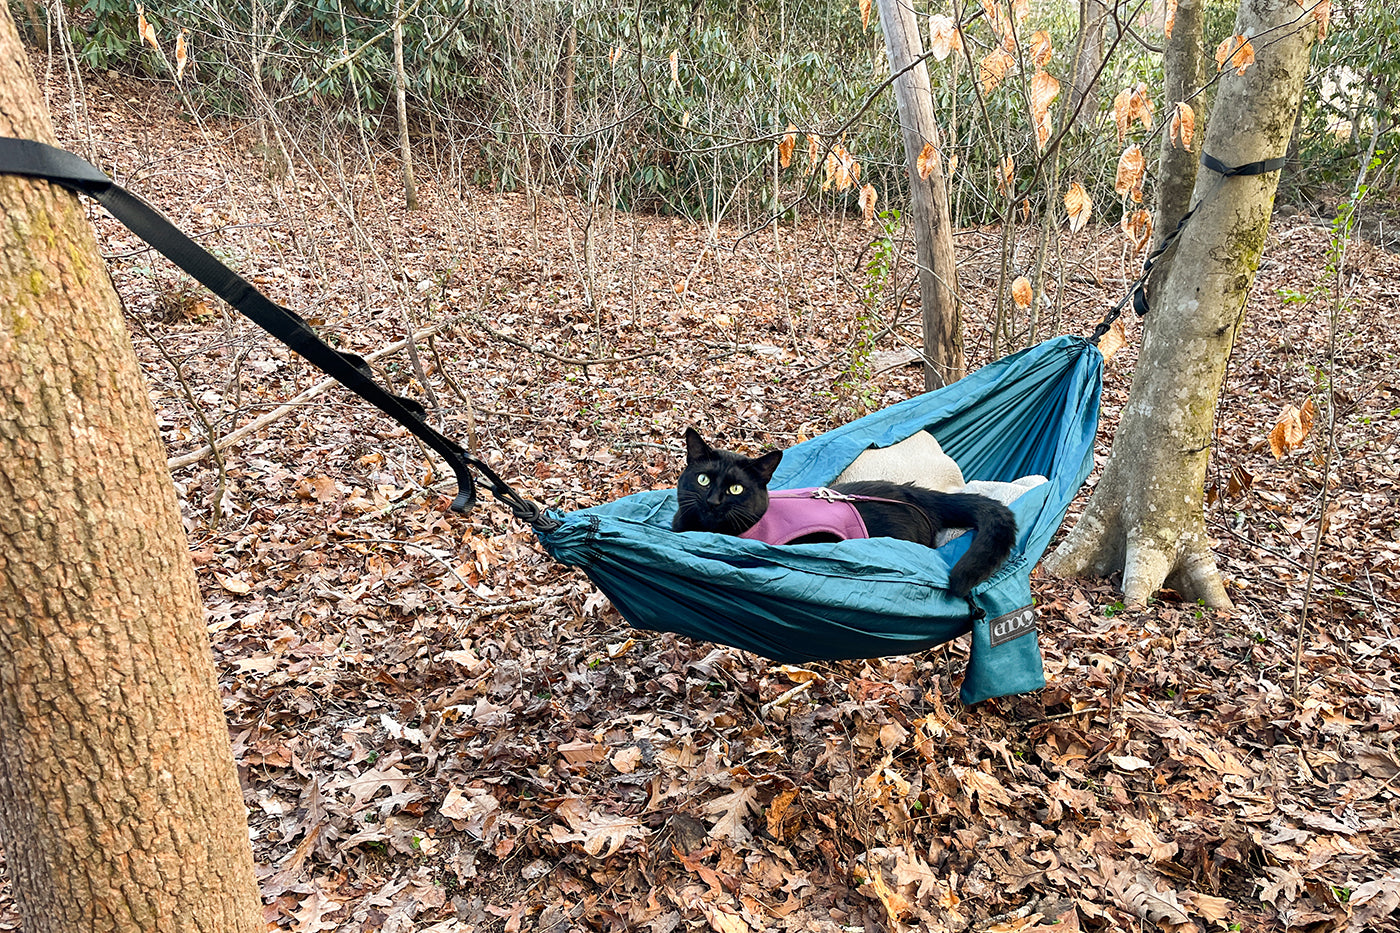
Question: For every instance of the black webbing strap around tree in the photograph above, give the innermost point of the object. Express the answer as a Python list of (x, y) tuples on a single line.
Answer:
[(1137, 292), (37, 160)]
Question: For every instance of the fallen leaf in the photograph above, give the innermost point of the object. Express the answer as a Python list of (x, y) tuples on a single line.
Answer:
[(1130, 762), (1291, 428), (601, 834), (233, 584), (732, 809)]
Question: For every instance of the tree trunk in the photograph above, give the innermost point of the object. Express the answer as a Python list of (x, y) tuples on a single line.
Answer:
[(1183, 78), (119, 805), (933, 226), (1092, 16), (410, 187), (1146, 516)]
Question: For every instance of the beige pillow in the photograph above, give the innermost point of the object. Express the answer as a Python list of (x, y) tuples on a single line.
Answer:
[(917, 459)]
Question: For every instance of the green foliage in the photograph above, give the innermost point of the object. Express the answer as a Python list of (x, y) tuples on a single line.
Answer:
[(1351, 96), (582, 93)]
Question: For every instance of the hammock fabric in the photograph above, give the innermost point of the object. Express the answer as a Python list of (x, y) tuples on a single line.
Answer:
[(1035, 412)]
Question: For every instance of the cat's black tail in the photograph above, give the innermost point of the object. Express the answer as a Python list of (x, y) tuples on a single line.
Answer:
[(995, 533)]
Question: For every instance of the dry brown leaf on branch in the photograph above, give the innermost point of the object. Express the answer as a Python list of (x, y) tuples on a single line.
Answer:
[(144, 27), (928, 158), (1236, 52), (182, 54), (1042, 47), (1137, 228), (842, 169), (1022, 292), (814, 152), (995, 67), (1079, 206), (1113, 341), (1042, 130), (1132, 168), (865, 14), (1006, 177), (1292, 428), (868, 198), (1169, 18), (675, 68), (1321, 11), (786, 146), (943, 36), (1323, 14), (1132, 104), (1183, 125), (1044, 89), (1122, 105)]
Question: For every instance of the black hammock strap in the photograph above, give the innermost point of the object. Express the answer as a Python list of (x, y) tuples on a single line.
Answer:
[(1137, 292), (38, 160)]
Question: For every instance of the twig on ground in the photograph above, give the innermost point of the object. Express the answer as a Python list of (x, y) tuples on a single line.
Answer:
[(257, 424)]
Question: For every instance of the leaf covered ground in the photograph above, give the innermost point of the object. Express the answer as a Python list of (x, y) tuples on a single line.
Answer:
[(437, 728)]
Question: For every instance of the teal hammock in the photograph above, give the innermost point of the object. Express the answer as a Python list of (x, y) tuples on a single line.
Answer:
[(1035, 412)]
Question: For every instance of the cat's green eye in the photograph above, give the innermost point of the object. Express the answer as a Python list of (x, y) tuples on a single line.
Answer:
[(702, 480), (736, 489)]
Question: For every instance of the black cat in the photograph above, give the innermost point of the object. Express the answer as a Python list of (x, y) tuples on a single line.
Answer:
[(727, 493)]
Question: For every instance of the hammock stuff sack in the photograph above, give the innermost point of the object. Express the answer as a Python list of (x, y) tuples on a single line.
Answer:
[(1035, 412)]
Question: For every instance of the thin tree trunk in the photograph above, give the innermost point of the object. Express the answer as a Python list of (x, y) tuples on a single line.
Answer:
[(410, 188), (1146, 516), (119, 805), (1183, 78), (1092, 15), (933, 227)]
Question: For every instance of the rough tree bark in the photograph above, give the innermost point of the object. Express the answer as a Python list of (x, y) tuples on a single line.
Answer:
[(119, 805), (1146, 517), (933, 224)]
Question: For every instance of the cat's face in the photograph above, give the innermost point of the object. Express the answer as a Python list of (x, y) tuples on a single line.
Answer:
[(721, 491)]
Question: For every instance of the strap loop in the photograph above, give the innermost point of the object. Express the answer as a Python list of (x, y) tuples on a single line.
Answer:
[(1137, 291)]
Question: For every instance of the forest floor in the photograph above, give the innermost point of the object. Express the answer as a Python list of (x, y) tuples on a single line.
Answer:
[(438, 728)]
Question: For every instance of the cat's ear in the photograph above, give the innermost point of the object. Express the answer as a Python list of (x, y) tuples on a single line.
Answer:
[(765, 465), (695, 447)]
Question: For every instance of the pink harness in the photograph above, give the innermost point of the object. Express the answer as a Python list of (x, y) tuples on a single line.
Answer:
[(793, 513)]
